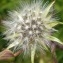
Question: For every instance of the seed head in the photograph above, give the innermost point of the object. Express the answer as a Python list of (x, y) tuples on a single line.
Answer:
[(30, 26)]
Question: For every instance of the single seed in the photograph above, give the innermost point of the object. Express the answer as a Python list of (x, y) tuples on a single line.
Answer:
[(38, 23), (30, 32), (27, 21), (33, 26), (19, 27), (37, 31), (26, 27)]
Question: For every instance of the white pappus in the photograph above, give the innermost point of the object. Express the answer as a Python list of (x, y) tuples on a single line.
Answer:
[(30, 28)]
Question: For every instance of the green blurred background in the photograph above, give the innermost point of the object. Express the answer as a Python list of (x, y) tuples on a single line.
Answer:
[(8, 5)]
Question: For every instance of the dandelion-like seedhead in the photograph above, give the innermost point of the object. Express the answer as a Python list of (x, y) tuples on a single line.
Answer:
[(29, 27)]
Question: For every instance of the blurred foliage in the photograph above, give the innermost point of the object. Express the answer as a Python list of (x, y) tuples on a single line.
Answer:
[(8, 5), (5, 6), (59, 34)]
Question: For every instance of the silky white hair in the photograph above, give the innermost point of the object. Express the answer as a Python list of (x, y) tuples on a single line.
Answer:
[(29, 26)]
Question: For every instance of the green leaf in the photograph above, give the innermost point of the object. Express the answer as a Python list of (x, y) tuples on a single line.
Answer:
[(12, 45), (43, 44), (46, 11), (52, 38), (54, 23), (33, 49)]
